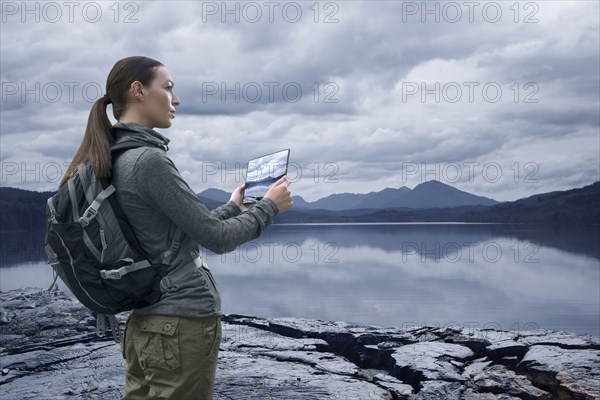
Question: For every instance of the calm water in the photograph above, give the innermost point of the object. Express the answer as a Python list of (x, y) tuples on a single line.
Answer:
[(467, 275)]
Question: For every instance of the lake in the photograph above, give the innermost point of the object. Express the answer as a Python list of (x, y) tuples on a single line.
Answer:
[(502, 276)]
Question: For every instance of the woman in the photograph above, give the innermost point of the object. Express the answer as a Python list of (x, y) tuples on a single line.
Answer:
[(170, 347)]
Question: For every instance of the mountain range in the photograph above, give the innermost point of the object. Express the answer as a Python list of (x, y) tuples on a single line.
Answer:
[(432, 201), (428, 194)]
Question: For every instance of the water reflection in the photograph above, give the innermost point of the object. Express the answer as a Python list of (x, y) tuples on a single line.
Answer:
[(511, 277), (402, 275)]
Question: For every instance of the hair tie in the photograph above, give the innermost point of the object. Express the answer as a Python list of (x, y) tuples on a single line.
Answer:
[(107, 98)]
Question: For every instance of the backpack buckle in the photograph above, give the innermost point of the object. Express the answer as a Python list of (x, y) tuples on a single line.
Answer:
[(89, 215), (113, 273), (117, 273)]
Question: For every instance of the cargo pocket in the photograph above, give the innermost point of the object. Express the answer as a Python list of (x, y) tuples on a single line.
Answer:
[(157, 342), (211, 338)]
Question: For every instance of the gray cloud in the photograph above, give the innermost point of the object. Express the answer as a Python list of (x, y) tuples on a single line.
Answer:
[(364, 128)]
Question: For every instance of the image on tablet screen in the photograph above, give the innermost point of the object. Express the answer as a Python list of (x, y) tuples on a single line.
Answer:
[(262, 172)]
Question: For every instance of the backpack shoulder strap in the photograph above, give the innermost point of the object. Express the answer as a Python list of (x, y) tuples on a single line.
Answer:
[(167, 256), (123, 221)]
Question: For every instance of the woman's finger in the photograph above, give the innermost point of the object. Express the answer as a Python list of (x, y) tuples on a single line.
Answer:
[(281, 181)]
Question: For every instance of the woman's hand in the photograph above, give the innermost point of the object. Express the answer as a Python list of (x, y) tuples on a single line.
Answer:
[(238, 195), (280, 194)]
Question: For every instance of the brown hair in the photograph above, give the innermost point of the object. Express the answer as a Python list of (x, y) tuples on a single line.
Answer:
[(96, 145)]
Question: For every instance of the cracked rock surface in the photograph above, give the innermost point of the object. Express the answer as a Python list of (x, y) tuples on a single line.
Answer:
[(49, 350)]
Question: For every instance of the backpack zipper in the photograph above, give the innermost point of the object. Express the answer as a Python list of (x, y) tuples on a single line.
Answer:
[(74, 272)]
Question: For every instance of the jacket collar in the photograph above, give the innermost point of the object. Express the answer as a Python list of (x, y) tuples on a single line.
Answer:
[(132, 131)]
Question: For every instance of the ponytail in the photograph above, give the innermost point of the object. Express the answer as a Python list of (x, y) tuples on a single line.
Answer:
[(96, 145), (97, 141)]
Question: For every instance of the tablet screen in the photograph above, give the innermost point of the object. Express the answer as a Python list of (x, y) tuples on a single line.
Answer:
[(262, 172)]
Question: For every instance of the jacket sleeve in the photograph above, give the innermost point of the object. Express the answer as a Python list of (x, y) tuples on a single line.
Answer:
[(162, 187), (225, 211)]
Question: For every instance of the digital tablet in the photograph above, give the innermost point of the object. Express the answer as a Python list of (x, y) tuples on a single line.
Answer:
[(262, 172)]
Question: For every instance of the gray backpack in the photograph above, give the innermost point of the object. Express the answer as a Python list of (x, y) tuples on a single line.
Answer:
[(92, 248)]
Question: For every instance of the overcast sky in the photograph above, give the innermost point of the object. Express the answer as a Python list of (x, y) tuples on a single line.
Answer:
[(500, 99)]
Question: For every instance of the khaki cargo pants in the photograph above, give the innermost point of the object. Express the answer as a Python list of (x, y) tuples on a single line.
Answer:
[(170, 357)]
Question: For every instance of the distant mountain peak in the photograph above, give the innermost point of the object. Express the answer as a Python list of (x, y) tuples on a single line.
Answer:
[(431, 182)]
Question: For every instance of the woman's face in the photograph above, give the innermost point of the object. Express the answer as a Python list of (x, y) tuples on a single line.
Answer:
[(158, 107)]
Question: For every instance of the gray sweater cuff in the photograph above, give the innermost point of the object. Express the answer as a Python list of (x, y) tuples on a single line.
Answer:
[(271, 204), (264, 211)]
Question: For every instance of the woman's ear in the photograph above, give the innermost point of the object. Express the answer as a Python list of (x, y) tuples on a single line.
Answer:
[(136, 89)]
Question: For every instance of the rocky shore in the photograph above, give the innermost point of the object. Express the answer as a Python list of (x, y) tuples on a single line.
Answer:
[(49, 350)]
